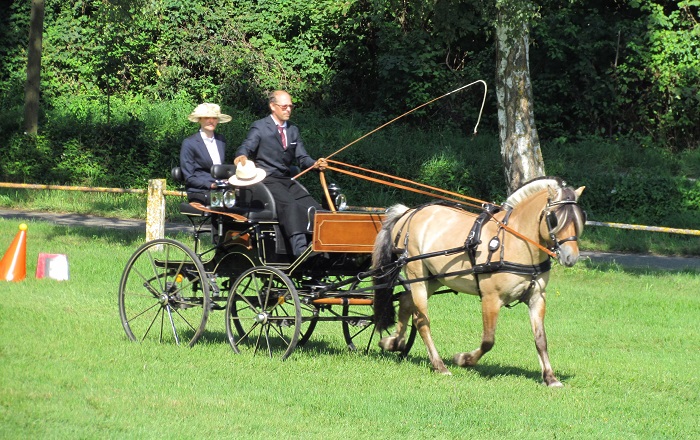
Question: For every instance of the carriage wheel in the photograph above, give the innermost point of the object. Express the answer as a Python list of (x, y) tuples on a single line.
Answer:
[(309, 318), (263, 313), (164, 294), (358, 322)]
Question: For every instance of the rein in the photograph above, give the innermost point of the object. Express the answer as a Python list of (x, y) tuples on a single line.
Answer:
[(437, 193)]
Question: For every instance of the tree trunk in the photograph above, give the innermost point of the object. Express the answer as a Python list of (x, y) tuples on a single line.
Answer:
[(33, 86), (520, 144)]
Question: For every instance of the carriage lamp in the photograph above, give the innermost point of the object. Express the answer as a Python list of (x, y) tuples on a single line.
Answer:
[(341, 202), (230, 198), (216, 198), (219, 197), (339, 199)]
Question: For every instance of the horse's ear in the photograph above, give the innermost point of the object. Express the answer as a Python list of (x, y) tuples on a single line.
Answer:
[(552, 192), (579, 191)]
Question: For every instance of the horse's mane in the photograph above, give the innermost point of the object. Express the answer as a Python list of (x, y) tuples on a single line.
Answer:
[(531, 187)]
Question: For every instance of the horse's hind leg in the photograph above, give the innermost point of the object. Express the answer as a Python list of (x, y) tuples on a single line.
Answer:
[(490, 306), (419, 306), (536, 307), (422, 323), (397, 341)]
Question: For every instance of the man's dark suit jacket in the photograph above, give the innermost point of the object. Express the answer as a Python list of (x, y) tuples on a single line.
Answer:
[(196, 163), (263, 145)]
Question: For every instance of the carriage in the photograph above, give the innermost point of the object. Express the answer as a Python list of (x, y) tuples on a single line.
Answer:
[(239, 264), (363, 264)]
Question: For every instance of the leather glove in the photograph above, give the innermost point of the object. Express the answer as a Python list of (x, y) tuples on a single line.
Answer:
[(240, 160), (321, 164)]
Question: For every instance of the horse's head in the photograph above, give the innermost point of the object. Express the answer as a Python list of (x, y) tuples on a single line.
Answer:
[(561, 223)]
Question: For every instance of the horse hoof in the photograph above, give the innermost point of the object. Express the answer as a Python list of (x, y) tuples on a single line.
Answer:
[(464, 360), (555, 384), (391, 343)]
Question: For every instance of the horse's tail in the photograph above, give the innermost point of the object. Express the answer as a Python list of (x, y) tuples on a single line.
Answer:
[(382, 255)]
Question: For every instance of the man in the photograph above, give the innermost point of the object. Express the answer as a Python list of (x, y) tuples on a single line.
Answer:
[(201, 151), (274, 144)]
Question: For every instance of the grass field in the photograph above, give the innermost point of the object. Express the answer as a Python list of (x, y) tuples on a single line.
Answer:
[(624, 343)]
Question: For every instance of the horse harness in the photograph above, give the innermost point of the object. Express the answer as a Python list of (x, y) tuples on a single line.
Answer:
[(472, 242)]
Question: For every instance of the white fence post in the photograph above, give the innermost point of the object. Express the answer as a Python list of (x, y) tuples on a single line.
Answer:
[(155, 215)]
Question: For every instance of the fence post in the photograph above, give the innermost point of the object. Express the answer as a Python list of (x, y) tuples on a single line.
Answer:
[(155, 214)]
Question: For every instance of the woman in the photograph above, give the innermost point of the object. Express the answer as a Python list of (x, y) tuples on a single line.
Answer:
[(201, 151)]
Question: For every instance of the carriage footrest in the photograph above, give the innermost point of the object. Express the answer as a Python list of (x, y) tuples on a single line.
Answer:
[(189, 210)]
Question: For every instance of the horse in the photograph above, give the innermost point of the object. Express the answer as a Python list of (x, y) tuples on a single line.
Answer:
[(539, 221)]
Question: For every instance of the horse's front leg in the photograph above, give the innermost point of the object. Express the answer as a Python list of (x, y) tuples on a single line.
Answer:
[(490, 306), (536, 307)]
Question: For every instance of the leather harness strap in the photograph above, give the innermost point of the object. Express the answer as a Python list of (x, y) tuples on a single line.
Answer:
[(469, 247)]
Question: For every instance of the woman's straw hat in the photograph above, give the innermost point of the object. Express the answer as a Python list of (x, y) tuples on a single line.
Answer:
[(208, 110), (247, 174)]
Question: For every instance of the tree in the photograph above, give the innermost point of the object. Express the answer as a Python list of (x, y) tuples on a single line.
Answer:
[(33, 86), (520, 144)]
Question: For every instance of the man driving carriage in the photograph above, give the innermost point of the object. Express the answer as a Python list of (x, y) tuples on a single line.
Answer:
[(274, 143)]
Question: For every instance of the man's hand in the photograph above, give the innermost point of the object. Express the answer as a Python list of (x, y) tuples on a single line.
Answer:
[(321, 164), (240, 160)]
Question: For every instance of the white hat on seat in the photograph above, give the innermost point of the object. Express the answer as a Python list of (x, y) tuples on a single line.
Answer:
[(247, 174)]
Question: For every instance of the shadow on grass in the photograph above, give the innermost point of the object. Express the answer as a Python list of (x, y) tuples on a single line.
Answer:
[(415, 357), (492, 371)]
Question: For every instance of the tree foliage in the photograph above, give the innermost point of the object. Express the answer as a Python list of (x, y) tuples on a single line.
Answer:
[(619, 67), (119, 76)]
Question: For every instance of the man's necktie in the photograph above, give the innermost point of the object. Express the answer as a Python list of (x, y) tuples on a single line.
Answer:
[(284, 138)]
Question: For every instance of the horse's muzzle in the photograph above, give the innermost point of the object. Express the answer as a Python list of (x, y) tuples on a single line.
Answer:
[(568, 255)]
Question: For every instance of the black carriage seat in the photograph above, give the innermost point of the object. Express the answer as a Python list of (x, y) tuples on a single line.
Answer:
[(255, 202)]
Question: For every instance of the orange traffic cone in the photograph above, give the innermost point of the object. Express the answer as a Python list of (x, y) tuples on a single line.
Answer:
[(13, 266)]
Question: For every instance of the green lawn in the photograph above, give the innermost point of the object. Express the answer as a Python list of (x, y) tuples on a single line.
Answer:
[(624, 343)]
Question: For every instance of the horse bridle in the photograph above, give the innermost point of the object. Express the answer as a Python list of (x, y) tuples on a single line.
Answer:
[(550, 217)]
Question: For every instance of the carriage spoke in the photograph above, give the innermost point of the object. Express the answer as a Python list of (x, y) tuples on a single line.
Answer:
[(275, 321), (166, 276)]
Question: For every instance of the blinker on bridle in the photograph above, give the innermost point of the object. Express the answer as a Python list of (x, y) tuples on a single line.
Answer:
[(552, 222)]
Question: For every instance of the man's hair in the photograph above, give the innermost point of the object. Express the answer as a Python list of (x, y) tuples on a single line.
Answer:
[(272, 96)]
